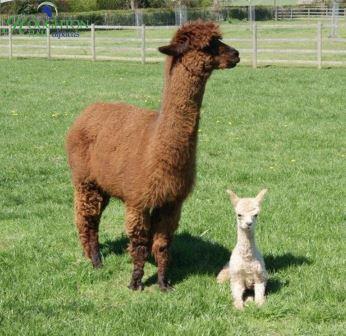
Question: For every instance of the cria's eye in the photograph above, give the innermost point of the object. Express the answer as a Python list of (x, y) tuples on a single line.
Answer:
[(239, 215), (256, 215)]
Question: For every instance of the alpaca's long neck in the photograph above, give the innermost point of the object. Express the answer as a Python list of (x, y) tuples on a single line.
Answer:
[(246, 244), (177, 124), (183, 90)]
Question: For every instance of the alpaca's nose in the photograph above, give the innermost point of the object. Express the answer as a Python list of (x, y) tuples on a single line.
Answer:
[(235, 53), (249, 224)]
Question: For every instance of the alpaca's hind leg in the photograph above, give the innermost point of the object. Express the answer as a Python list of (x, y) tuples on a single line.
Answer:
[(165, 221), (138, 230), (90, 201)]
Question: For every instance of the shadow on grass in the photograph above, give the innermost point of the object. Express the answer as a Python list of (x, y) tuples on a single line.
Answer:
[(276, 263), (117, 247), (191, 255)]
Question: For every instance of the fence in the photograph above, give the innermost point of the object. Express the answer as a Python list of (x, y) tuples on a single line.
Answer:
[(309, 13), (161, 17), (259, 44)]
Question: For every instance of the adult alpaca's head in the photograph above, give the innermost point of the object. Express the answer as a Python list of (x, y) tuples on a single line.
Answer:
[(198, 47)]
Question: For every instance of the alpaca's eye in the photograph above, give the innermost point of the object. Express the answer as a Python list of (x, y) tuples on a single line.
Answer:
[(256, 215), (212, 48), (239, 215)]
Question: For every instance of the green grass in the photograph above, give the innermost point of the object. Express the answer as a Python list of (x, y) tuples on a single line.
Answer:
[(273, 127)]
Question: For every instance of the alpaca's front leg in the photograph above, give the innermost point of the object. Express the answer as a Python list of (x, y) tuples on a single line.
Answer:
[(260, 293), (164, 222), (138, 230), (238, 289)]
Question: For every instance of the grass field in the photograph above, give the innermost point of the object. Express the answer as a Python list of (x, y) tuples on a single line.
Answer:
[(279, 128)]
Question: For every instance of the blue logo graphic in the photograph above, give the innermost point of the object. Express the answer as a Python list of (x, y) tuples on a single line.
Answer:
[(47, 8)]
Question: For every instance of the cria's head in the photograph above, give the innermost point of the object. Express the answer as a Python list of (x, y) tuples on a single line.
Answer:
[(247, 209), (198, 46)]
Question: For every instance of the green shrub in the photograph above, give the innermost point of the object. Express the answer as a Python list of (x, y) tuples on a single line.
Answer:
[(113, 4), (263, 13), (82, 5), (157, 3), (63, 5), (20, 7)]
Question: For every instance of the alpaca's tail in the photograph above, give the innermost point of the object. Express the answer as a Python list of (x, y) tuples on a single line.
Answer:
[(224, 275)]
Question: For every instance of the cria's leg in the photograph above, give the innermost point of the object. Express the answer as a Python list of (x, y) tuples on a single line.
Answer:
[(90, 202), (259, 293), (138, 230), (238, 289), (164, 222)]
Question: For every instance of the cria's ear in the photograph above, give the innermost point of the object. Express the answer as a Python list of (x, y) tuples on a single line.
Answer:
[(260, 195), (175, 49), (233, 196)]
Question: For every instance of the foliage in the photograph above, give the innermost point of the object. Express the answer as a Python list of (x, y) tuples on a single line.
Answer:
[(83, 5), (20, 7), (112, 4)]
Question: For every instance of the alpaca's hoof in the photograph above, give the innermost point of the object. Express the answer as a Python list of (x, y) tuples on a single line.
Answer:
[(165, 286), (96, 261), (136, 285), (239, 305)]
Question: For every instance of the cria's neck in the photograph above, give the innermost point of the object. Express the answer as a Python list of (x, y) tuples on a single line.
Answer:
[(246, 242)]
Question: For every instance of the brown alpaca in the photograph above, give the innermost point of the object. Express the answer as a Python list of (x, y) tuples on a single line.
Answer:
[(143, 157)]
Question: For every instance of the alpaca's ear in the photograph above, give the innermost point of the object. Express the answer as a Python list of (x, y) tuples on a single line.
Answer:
[(168, 50), (175, 49), (233, 196), (260, 195)]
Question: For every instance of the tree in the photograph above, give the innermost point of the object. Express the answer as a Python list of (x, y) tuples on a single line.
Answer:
[(134, 4), (216, 5)]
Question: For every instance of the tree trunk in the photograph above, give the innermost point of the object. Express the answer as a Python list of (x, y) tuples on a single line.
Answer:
[(134, 4), (216, 5)]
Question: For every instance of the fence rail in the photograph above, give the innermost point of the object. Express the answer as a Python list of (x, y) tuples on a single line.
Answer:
[(308, 13), (254, 50)]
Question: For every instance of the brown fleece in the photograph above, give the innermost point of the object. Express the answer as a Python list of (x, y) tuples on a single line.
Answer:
[(146, 158)]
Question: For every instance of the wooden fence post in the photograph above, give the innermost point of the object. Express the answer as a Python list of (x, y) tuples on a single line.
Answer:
[(93, 43), (10, 48), (48, 42), (254, 45), (143, 44), (319, 45)]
